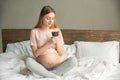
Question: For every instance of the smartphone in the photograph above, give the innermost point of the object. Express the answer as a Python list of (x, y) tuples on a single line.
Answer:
[(55, 33)]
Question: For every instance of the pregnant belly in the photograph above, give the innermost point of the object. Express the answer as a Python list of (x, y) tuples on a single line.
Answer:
[(49, 60)]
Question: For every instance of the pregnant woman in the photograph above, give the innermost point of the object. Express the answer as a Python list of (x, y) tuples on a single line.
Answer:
[(48, 48)]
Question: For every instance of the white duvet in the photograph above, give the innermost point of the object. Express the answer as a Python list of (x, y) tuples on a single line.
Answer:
[(12, 67)]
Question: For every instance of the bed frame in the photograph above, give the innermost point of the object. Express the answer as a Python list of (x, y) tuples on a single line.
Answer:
[(70, 35)]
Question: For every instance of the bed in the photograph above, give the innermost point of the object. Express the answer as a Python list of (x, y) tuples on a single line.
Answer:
[(96, 51)]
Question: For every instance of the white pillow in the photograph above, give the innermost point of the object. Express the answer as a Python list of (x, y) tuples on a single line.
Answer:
[(107, 51), (22, 47), (69, 50)]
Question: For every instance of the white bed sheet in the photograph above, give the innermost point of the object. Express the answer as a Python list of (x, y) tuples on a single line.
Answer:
[(12, 67)]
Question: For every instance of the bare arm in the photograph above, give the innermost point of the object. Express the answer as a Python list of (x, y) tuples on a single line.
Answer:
[(60, 49), (37, 51), (59, 45)]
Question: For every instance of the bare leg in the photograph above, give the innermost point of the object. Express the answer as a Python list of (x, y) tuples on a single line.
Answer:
[(65, 66), (37, 68)]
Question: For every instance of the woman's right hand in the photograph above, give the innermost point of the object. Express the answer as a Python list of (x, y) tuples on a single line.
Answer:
[(52, 41)]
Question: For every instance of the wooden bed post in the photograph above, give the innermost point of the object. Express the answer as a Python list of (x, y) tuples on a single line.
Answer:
[(1, 50)]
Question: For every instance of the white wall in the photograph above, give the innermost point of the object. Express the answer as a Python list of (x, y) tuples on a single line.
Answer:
[(74, 14)]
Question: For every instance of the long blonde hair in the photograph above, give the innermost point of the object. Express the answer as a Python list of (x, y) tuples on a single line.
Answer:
[(45, 10)]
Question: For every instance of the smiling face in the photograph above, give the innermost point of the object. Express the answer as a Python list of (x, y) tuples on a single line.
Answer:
[(48, 20)]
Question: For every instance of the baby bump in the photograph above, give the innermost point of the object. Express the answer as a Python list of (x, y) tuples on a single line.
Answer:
[(49, 60)]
